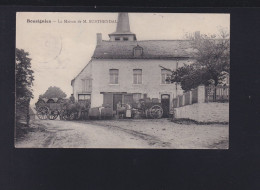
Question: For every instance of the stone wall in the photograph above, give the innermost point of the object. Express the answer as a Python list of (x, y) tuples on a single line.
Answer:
[(204, 112)]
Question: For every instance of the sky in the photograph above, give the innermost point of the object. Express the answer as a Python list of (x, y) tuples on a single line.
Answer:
[(60, 50)]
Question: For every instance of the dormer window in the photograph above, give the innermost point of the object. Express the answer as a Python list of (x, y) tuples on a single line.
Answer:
[(125, 38), (117, 38), (138, 51)]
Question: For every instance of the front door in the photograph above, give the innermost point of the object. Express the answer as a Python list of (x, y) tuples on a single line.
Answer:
[(116, 98), (165, 100)]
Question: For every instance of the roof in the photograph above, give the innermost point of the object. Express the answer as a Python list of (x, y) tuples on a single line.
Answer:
[(152, 49)]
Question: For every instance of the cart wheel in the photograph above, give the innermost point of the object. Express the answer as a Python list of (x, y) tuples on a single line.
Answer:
[(53, 114), (65, 115), (73, 115), (42, 112), (69, 115), (156, 112)]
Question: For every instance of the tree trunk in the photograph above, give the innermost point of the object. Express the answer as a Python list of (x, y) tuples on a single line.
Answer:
[(28, 112)]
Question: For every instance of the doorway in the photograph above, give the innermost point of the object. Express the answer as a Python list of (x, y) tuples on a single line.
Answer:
[(165, 101), (116, 98)]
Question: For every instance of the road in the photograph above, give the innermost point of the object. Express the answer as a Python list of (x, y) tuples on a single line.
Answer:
[(123, 134)]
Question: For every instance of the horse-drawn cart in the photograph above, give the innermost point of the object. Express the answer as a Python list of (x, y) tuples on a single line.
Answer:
[(151, 109), (52, 108)]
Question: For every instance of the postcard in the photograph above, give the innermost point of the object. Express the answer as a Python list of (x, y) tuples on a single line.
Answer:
[(122, 80)]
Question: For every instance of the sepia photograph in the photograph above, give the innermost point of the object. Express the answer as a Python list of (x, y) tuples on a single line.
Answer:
[(122, 80)]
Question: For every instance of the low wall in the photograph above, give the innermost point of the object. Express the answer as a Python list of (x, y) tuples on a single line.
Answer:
[(204, 112)]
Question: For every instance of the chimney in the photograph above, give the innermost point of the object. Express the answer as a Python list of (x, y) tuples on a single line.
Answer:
[(197, 35), (99, 38)]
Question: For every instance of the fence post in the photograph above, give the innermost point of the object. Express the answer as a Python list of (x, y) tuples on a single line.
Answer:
[(201, 94), (178, 101), (183, 100), (190, 102), (207, 94)]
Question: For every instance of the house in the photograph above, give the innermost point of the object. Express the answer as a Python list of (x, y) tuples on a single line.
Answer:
[(125, 70)]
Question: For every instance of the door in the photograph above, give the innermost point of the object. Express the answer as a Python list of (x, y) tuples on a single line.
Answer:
[(108, 100), (165, 101), (128, 99), (116, 98)]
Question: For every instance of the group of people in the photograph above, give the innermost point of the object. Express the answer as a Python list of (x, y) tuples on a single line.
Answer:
[(123, 110)]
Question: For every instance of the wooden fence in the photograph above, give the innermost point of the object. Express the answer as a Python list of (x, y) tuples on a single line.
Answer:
[(202, 94)]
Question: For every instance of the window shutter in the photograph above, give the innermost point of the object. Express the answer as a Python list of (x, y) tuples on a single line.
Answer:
[(83, 85), (90, 85)]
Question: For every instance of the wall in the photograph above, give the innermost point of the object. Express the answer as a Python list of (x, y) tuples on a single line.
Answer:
[(77, 86), (204, 112), (151, 78)]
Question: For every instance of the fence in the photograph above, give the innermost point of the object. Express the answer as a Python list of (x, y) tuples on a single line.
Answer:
[(194, 94), (187, 96), (217, 94), (175, 102), (202, 94)]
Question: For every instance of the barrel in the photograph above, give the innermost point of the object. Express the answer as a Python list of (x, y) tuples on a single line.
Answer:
[(106, 113), (94, 113)]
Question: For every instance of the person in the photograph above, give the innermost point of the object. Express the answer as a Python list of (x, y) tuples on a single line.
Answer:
[(72, 99), (118, 105), (128, 111), (120, 110)]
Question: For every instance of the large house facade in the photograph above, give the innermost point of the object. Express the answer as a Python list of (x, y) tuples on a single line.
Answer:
[(125, 70)]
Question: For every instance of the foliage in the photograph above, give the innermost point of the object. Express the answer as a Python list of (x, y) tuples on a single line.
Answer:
[(212, 62), (53, 92), (24, 75), (24, 81)]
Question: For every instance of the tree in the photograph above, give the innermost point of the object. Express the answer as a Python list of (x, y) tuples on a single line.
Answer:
[(24, 81), (53, 92), (212, 62), (24, 75)]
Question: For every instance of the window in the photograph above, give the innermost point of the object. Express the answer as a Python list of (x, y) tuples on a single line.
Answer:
[(125, 38), (138, 52), (137, 76), (113, 76), (136, 97), (86, 85), (117, 39), (165, 74), (83, 98)]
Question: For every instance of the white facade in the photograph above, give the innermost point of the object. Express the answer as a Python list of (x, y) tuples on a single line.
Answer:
[(109, 77), (97, 71)]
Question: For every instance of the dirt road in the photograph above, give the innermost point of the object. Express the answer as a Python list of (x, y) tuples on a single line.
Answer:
[(123, 134)]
